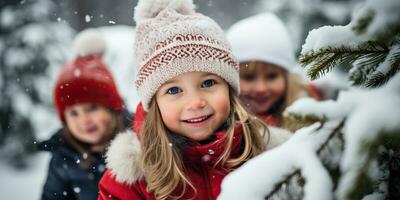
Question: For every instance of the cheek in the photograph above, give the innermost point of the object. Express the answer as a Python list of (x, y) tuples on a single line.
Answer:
[(72, 124), (279, 87), (74, 128), (103, 120), (221, 104), (169, 113), (245, 85)]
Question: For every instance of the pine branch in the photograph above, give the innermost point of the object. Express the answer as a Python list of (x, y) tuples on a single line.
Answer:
[(361, 25), (334, 132), (363, 182), (393, 160), (322, 61), (378, 79), (294, 121), (297, 172), (286, 181), (365, 66)]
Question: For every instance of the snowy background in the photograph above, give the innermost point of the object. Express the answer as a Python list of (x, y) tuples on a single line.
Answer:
[(47, 28)]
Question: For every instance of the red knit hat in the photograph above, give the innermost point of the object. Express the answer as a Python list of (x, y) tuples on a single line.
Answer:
[(86, 79)]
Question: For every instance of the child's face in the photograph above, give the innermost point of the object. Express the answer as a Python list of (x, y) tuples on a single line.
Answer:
[(194, 104), (88, 122), (261, 87)]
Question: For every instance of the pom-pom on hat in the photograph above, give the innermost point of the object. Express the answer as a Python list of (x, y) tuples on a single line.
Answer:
[(171, 39), (86, 79), (262, 38)]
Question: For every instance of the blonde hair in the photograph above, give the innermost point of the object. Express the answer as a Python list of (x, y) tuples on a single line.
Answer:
[(295, 87), (162, 162)]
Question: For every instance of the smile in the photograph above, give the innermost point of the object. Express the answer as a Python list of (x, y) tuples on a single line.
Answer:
[(91, 129), (197, 119)]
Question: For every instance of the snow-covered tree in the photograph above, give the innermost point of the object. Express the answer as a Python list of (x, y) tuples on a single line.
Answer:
[(350, 148), (32, 48)]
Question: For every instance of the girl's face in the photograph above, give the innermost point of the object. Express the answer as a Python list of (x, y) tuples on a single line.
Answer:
[(89, 123), (261, 87), (194, 104)]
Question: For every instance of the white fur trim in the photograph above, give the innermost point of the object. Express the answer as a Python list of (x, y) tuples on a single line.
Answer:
[(89, 42), (150, 8), (277, 136), (122, 157)]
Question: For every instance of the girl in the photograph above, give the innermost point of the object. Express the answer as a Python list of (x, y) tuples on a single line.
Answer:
[(266, 56), (194, 131), (92, 112)]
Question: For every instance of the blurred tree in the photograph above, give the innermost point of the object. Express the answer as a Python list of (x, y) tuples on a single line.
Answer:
[(93, 13), (31, 46), (304, 15)]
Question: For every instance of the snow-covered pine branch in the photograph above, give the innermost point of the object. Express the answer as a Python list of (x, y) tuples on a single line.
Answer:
[(260, 176), (372, 121), (355, 159), (365, 132), (370, 42)]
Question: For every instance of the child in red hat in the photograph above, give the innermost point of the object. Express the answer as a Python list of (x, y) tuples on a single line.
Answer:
[(92, 112)]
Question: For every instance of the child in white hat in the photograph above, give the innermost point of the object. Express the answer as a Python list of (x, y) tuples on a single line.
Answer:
[(266, 55)]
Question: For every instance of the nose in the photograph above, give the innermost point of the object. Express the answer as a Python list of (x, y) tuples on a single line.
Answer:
[(84, 119), (260, 87), (195, 102)]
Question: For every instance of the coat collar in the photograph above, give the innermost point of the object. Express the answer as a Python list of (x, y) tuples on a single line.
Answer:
[(210, 153)]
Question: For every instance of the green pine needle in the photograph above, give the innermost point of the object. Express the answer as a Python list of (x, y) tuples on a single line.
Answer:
[(323, 61)]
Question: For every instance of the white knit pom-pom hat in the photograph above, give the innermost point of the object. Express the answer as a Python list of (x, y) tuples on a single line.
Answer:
[(262, 37), (172, 39)]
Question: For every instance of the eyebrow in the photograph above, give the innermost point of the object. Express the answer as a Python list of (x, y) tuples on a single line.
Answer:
[(202, 76), (168, 82), (208, 74)]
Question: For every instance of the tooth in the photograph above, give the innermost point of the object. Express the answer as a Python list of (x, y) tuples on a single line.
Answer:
[(197, 120)]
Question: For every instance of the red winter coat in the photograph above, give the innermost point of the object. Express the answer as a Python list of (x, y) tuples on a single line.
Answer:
[(124, 180)]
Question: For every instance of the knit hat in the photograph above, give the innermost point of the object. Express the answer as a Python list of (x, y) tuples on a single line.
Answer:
[(262, 38), (86, 79), (171, 39)]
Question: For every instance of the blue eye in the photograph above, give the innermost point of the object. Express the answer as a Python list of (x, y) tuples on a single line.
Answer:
[(208, 83), (174, 90)]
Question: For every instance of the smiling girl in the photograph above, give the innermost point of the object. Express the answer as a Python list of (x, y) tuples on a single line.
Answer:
[(194, 130), (266, 55), (92, 112)]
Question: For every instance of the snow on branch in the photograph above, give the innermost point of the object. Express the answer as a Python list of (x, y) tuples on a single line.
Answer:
[(370, 42), (347, 153), (374, 122), (365, 130), (260, 176)]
